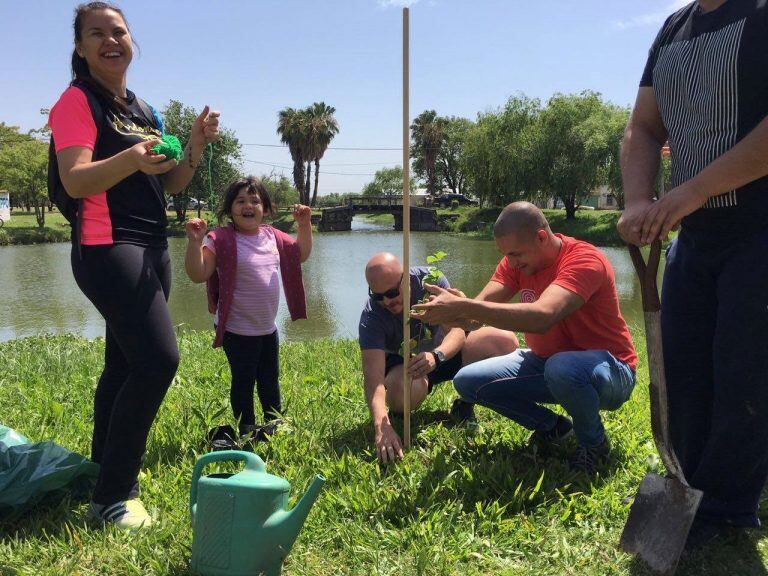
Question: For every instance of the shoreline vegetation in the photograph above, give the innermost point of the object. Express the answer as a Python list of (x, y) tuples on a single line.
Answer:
[(595, 226), (461, 502)]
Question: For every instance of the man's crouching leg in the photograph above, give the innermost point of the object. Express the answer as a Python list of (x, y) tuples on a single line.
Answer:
[(394, 384), (488, 342)]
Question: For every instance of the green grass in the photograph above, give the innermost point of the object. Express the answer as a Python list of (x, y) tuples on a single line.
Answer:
[(22, 228), (595, 226), (460, 503), (381, 218)]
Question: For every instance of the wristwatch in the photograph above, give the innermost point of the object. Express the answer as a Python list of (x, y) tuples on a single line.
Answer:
[(439, 358)]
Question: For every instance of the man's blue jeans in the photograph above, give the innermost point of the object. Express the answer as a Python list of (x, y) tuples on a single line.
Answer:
[(517, 384)]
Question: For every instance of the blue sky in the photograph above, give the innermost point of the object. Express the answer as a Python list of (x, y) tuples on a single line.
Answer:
[(251, 58)]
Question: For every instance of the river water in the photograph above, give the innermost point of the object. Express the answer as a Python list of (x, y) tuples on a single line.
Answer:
[(38, 293)]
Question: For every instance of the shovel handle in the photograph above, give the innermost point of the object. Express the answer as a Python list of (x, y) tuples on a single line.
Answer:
[(647, 274)]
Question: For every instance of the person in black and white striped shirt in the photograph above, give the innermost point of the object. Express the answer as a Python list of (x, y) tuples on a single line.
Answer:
[(705, 91)]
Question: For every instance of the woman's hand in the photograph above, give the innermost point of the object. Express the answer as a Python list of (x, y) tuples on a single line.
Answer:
[(146, 161), (302, 215), (196, 229), (206, 128)]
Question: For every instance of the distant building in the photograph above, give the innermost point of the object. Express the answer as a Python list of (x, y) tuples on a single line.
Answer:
[(5, 205)]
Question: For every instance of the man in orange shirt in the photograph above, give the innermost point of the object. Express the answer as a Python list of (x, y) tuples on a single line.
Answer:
[(580, 353)]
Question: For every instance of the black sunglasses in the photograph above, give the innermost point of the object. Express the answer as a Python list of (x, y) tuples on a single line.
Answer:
[(389, 294)]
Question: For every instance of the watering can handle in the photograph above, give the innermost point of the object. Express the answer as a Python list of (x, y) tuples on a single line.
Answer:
[(252, 462)]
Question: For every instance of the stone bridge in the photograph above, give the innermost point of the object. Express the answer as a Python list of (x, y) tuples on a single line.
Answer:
[(339, 218)]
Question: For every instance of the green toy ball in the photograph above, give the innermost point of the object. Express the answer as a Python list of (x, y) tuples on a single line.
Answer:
[(170, 146)]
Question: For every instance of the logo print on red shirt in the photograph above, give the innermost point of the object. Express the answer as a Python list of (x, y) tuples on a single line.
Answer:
[(527, 296)]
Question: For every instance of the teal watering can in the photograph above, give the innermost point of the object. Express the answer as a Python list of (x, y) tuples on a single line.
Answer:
[(240, 523)]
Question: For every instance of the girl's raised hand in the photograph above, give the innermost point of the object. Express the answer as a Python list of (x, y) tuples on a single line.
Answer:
[(146, 161), (196, 229), (302, 214)]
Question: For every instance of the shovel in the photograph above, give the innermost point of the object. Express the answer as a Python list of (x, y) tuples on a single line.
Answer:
[(664, 508)]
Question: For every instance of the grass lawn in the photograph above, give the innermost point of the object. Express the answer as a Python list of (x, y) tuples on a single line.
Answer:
[(461, 502), (22, 228), (595, 226)]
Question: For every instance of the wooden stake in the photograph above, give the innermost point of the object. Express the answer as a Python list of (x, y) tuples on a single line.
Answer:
[(406, 238)]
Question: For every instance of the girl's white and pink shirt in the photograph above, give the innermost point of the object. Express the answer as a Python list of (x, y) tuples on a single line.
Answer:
[(256, 294)]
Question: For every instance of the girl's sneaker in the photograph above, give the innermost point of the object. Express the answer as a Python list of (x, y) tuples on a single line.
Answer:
[(126, 514)]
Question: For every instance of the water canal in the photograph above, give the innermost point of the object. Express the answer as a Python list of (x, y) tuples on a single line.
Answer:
[(39, 294)]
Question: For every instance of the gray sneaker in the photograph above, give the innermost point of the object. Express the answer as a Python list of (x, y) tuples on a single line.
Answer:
[(463, 412), (590, 459), (554, 437)]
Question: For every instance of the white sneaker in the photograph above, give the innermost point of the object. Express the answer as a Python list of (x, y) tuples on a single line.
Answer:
[(126, 514)]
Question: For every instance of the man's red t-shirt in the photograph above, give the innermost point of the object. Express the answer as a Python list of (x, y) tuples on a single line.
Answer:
[(598, 325)]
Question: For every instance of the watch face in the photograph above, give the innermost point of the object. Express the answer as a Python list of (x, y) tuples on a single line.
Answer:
[(440, 356)]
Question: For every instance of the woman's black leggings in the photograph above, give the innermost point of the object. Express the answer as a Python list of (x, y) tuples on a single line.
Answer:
[(129, 286), (253, 359)]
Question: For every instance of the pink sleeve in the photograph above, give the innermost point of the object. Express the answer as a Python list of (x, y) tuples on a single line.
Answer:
[(209, 243), (71, 121)]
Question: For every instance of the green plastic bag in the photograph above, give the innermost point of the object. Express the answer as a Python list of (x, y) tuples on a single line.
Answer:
[(29, 472)]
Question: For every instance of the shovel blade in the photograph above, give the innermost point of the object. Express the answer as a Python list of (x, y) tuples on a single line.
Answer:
[(659, 521)]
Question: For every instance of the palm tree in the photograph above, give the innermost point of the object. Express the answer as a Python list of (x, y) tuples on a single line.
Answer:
[(322, 127), (291, 126), (428, 133)]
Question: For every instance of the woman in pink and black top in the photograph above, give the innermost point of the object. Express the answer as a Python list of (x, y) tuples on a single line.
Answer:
[(103, 135), (241, 263)]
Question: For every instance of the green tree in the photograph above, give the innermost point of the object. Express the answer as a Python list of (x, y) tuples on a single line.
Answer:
[(572, 150), (449, 168), (498, 152), (335, 199), (608, 131), (223, 157), (280, 190), (387, 182), (427, 135), (292, 128), (24, 171), (321, 128)]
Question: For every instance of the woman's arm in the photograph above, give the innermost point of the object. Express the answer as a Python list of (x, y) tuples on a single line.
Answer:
[(83, 177)]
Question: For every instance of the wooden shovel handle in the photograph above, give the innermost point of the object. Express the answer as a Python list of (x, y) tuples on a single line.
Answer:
[(647, 274)]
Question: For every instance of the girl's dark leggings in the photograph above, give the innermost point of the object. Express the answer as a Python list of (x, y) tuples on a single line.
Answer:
[(253, 360), (129, 286)]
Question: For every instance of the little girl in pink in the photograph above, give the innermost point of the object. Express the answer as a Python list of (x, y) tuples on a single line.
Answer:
[(240, 263)]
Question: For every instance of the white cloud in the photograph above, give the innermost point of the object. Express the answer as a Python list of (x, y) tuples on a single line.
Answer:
[(651, 18), (396, 3)]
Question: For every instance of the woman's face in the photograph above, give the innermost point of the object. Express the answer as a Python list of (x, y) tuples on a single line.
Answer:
[(247, 211), (105, 44)]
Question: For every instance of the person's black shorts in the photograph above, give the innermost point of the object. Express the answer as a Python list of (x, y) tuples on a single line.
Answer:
[(446, 371)]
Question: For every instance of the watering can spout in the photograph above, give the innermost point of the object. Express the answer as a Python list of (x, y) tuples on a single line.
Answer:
[(293, 520)]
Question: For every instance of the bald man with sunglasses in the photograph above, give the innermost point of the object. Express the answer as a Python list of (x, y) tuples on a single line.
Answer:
[(441, 354)]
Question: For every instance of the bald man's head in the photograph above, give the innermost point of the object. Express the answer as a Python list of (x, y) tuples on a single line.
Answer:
[(382, 266), (522, 219), (384, 272)]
